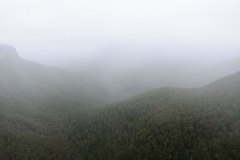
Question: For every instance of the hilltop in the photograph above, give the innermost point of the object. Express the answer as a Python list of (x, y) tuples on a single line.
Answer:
[(212, 73), (166, 123), (52, 113), (7, 50), (45, 85)]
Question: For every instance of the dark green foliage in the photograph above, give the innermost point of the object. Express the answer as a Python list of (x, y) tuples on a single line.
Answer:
[(166, 123), (36, 103), (31, 131), (46, 114)]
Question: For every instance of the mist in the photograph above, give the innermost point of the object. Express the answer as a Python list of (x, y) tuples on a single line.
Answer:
[(113, 42), (56, 32), (138, 79)]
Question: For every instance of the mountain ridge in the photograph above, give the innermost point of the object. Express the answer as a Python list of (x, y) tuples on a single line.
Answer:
[(166, 122), (49, 113), (41, 84), (7, 51)]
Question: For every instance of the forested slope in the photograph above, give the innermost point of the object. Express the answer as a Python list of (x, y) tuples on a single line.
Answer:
[(49, 86), (49, 113), (32, 131), (36, 104), (165, 123)]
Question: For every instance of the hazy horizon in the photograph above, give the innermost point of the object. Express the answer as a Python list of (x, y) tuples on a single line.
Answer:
[(63, 33)]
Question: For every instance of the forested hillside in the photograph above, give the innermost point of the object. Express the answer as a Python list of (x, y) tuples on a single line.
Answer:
[(49, 86), (36, 104), (32, 131), (165, 123), (50, 113)]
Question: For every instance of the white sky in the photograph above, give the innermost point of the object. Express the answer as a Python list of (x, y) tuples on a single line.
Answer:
[(48, 31)]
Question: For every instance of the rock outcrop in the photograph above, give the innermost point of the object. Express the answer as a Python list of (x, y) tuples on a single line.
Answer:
[(7, 51)]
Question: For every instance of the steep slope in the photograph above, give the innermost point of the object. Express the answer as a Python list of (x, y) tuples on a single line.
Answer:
[(212, 73), (165, 123), (7, 51), (32, 131), (36, 105), (48, 113), (48, 86)]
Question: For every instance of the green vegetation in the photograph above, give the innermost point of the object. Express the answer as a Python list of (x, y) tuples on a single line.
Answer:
[(36, 104), (47, 113), (48, 86), (166, 123)]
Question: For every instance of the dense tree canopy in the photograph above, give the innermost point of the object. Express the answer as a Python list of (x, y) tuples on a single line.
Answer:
[(166, 123), (38, 122)]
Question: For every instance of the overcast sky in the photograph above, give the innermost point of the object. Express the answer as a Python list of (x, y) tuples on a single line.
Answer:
[(51, 31)]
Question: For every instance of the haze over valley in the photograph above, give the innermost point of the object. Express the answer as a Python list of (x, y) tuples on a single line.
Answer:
[(119, 80)]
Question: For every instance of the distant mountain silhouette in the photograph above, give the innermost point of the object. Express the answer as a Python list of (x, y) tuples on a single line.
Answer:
[(44, 85), (212, 73), (51, 113), (7, 50)]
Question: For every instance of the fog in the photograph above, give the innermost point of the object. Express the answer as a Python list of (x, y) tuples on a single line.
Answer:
[(119, 79), (109, 38), (56, 32)]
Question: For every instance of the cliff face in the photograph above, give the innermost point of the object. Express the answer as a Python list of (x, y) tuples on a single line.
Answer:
[(7, 51)]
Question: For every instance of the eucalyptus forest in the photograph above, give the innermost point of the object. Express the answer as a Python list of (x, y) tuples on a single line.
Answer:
[(49, 113)]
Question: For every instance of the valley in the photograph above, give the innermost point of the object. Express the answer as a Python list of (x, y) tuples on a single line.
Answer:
[(53, 113)]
